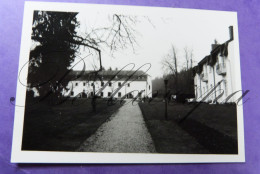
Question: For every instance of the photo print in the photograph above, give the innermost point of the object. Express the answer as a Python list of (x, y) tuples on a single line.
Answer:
[(128, 84)]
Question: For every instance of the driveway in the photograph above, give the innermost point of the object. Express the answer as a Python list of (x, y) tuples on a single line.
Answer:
[(125, 131)]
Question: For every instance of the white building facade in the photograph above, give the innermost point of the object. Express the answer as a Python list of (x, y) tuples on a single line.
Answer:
[(110, 83), (216, 70)]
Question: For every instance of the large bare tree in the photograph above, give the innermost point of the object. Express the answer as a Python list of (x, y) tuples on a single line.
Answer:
[(120, 33), (57, 42), (181, 80), (170, 64), (188, 54)]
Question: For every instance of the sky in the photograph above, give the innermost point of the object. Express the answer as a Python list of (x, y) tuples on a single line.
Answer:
[(193, 29)]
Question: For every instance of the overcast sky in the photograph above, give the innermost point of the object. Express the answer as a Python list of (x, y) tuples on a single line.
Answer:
[(194, 29)]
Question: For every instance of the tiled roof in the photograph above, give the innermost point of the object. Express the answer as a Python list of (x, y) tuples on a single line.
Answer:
[(212, 57), (108, 75), (216, 49)]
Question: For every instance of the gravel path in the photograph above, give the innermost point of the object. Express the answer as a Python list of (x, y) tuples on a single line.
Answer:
[(124, 132)]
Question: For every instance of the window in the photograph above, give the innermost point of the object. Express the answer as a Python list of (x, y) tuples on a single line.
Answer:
[(84, 84), (110, 84), (119, 94), (76, 84), (92, 84), (102, 94), (109, 94), (149, 87), (71, 93), (128, 85), (119, 84), (102, 83)]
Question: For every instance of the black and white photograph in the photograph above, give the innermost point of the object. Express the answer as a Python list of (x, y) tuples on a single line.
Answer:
[(125, 84)]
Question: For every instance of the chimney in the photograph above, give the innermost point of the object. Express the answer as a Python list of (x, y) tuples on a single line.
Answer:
[(231, 34), (213, 46)]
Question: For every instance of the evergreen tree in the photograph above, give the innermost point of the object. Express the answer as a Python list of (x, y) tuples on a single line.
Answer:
[(53, 36)]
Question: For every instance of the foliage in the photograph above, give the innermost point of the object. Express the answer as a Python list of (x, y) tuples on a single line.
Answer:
[(55, 43), (53, 35)]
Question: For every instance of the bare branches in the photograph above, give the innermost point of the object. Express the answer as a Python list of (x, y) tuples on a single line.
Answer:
[(172, 60), (188, 57), (186, 54), (191, 58), (170, 63), (119, 34), (180, 80)]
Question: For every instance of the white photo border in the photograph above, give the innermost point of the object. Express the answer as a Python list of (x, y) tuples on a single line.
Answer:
[(24, 156)]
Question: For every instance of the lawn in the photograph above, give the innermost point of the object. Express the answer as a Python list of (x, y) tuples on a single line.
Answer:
[(209, 129), (63, 127)]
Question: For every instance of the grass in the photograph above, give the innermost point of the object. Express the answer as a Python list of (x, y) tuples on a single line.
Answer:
[(63, 127), (209, 129)]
